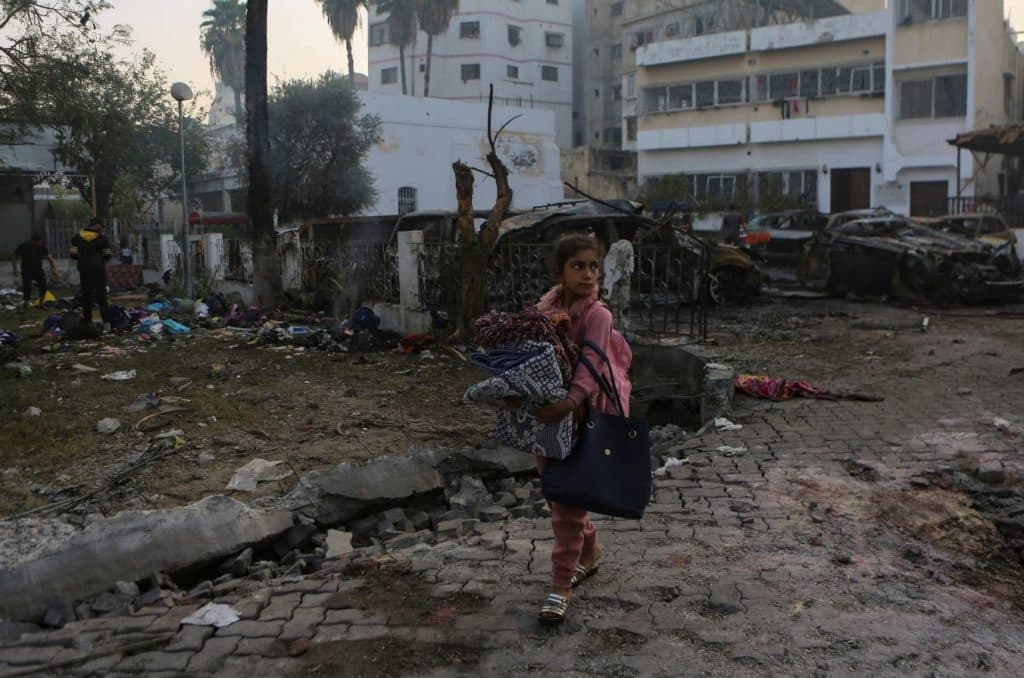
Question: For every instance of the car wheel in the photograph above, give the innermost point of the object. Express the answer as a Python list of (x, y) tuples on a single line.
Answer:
[(726, 285)]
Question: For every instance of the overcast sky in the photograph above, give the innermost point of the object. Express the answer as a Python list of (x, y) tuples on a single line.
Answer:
[(301, 44)]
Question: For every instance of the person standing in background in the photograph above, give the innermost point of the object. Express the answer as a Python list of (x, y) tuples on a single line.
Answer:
[(92, 251), (31, 255)]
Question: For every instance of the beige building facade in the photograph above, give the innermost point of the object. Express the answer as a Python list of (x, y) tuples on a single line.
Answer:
[(610, 35), (845, 112)]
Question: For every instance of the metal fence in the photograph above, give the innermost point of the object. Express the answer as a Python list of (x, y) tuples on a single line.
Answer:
[(666, 294), (362, 271)]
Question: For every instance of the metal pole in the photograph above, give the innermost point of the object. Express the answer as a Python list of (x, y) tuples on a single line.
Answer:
[(187, 250)]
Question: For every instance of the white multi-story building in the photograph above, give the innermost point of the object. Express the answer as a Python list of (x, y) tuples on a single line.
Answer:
[(523, 47), (849, 111)]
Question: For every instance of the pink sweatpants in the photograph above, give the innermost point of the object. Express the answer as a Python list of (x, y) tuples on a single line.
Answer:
[(575, 535)]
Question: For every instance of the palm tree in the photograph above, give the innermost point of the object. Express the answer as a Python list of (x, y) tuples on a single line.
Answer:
[(222, 39), (343, 18), (434, 17), (266, 266), (401, 27)]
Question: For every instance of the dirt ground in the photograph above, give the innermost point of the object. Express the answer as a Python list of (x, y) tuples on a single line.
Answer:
[(231, 403)]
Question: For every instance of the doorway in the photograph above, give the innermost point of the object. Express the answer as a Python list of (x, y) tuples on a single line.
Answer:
[(929, 198), (851, 189)]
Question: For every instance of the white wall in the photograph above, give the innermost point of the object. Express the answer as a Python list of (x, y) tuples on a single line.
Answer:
[(423, 137), (494, 54)]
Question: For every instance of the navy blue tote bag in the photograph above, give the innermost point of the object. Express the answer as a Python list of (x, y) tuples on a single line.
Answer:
[(609, 469)]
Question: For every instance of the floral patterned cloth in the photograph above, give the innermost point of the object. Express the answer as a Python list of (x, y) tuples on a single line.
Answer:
[(537, 380)]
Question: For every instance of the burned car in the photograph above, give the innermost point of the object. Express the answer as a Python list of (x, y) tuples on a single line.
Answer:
[(892, 256)]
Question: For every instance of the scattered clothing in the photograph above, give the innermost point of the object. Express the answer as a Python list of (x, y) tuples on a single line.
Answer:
[(411, 343), (496, 329), (769, 388)]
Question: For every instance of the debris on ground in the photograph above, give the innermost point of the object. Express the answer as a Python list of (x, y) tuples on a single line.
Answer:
[(257, 471), (669, 463), (723, 424), (121, 375), (108, 425), (213, 614)]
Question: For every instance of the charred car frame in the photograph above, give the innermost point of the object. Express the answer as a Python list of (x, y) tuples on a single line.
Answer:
[(892, 256)]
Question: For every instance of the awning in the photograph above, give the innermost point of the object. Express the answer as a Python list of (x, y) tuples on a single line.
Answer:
[(1001, 139)]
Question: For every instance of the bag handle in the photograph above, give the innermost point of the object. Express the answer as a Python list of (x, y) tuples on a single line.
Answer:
[(609, 389)]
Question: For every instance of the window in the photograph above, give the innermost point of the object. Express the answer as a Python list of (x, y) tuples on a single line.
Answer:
[(512, 72), (552, 2), (469, 30), (641, 38), (655, 99), (555, 40), (1008, 80), (730, 91), (861, 79), (916, 99), (783, 86), (705, 93), (721, 187), (597, 93), (679, 97), (944, 96), (549, 73), (809, 83), (515, 35), (630, 129), (951, 96), (878, 78), (631, 85), (470, 72), (671, 30), (617, 50), (916, 11), (406, 199), (617, 93), (597, 51), (617, 9), (378, 33), (389, 76)]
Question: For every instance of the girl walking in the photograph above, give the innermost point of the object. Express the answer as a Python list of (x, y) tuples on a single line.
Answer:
[(576, 266)]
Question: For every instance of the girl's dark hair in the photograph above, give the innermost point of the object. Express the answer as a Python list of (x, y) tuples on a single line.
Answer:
[(569, 245)]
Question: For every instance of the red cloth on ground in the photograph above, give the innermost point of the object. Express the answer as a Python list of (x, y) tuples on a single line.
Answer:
[(762, 386)]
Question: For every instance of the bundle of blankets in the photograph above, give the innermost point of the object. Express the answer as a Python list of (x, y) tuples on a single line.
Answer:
[(528, 356)]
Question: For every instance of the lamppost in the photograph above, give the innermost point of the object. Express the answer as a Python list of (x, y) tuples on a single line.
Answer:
[(181, 93)]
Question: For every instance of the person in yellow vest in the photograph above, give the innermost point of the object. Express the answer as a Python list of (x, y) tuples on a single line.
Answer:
[(92, 251)]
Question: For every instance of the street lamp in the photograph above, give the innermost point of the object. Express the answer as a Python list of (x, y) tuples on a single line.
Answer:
[(181, 93)]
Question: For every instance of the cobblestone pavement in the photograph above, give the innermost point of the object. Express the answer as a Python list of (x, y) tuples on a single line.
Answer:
[(835, 544)]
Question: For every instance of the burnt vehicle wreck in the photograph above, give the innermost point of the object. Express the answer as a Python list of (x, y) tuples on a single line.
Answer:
[(893, 256)]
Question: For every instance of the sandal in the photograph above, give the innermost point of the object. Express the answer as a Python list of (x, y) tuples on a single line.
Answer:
[(583, 573), (553, 611)]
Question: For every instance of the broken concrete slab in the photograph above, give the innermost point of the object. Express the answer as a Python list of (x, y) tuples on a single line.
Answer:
[(338, 543), (129, 547)]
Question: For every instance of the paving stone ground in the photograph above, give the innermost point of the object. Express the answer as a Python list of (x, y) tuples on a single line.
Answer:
[(832, 546)]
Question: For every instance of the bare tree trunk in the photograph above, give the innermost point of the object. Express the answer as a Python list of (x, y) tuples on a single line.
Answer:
[(351, 61), (426, 74), (401, 65), (266, 264), (477, 247)]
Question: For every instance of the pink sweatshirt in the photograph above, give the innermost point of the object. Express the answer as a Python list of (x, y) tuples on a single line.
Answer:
[(590, 320)]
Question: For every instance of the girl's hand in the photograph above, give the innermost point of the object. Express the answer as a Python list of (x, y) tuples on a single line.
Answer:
[(555, 412), (513, 402)]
